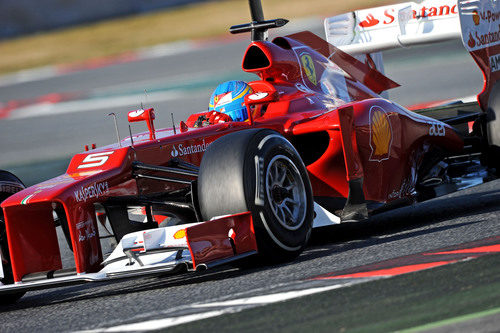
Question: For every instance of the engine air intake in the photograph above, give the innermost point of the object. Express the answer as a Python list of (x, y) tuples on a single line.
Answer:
[(255, 58)]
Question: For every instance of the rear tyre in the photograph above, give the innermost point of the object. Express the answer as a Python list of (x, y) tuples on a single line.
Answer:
[(493, 128), (9, 184), (259, 171)]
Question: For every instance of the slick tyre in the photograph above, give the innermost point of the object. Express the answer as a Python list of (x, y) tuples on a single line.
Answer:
[(9, 184), (258, 170), (493, 128)]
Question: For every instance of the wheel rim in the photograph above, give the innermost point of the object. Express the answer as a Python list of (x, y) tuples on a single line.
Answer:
[(286, 192)]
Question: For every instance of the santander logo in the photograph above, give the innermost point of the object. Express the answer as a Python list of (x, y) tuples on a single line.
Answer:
[(183, 149), (369, 22), (388, 16), (174, 152), (471, 42)]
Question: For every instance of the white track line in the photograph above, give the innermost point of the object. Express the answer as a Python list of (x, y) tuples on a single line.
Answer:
[(48, 109), (230, 306), (29, 75), (48, 72)]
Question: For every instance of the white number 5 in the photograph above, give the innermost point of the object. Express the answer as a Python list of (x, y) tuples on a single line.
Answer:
[(94, 160)]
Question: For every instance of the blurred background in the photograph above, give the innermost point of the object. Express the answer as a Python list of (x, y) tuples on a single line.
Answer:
[(66, 64), (20, 17)]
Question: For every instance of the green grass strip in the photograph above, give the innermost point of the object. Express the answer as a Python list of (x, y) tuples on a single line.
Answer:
[(450, 321)]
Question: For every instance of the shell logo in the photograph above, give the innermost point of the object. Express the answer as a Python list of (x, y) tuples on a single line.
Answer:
[(380, 134), (475, 17), (174, 151), (179, 234)]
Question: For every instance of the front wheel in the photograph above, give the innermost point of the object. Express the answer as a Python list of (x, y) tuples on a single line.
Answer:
[(9, 184), (259, 171)]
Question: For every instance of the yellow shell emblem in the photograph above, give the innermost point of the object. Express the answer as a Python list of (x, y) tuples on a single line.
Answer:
[(380, 134), (308, 65)]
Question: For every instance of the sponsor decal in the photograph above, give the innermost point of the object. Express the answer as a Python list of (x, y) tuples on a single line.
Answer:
[(486, 15), (180, 234), (86, 230), (388, 16), (475, 17), (437, 129), (480, 24), (308, 65), (10, 187), (487, 38), (495, 62), (380, 134), (93, 191), (182, 149), (370, 21), (471, 42)]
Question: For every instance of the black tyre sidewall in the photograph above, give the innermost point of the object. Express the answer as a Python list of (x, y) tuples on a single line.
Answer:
[(493, 128), (271, 235), (227, 185), (8, 279)]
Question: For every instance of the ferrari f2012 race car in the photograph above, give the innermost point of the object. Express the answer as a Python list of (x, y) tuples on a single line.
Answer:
[(321, 146)]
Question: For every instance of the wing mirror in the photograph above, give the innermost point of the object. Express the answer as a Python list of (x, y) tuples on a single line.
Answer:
[(148, 116)]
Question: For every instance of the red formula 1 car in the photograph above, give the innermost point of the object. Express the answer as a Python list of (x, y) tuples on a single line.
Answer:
[(320, 147)]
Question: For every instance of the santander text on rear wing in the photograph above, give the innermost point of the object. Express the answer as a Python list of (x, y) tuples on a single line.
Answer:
[(476, 22)]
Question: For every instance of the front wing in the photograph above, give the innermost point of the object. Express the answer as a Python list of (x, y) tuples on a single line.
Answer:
[(169, 250), (174, 249)]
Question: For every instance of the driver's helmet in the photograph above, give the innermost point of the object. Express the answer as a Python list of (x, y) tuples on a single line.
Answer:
[(229, 98)]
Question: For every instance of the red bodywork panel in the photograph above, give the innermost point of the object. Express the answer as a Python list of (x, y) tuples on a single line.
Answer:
[(482, 58), (212, 241), (362, 135)]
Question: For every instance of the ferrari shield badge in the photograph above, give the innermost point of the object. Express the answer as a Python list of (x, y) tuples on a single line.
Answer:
[(308, 65), (380, 134)]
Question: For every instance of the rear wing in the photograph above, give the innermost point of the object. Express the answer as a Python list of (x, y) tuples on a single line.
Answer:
[(364, 33), (394, 26)]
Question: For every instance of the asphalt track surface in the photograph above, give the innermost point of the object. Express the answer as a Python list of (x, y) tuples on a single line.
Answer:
[(461, 217), (428, 74)]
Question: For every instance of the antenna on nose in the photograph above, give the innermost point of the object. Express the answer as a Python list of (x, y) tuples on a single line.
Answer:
[(257, 16)]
